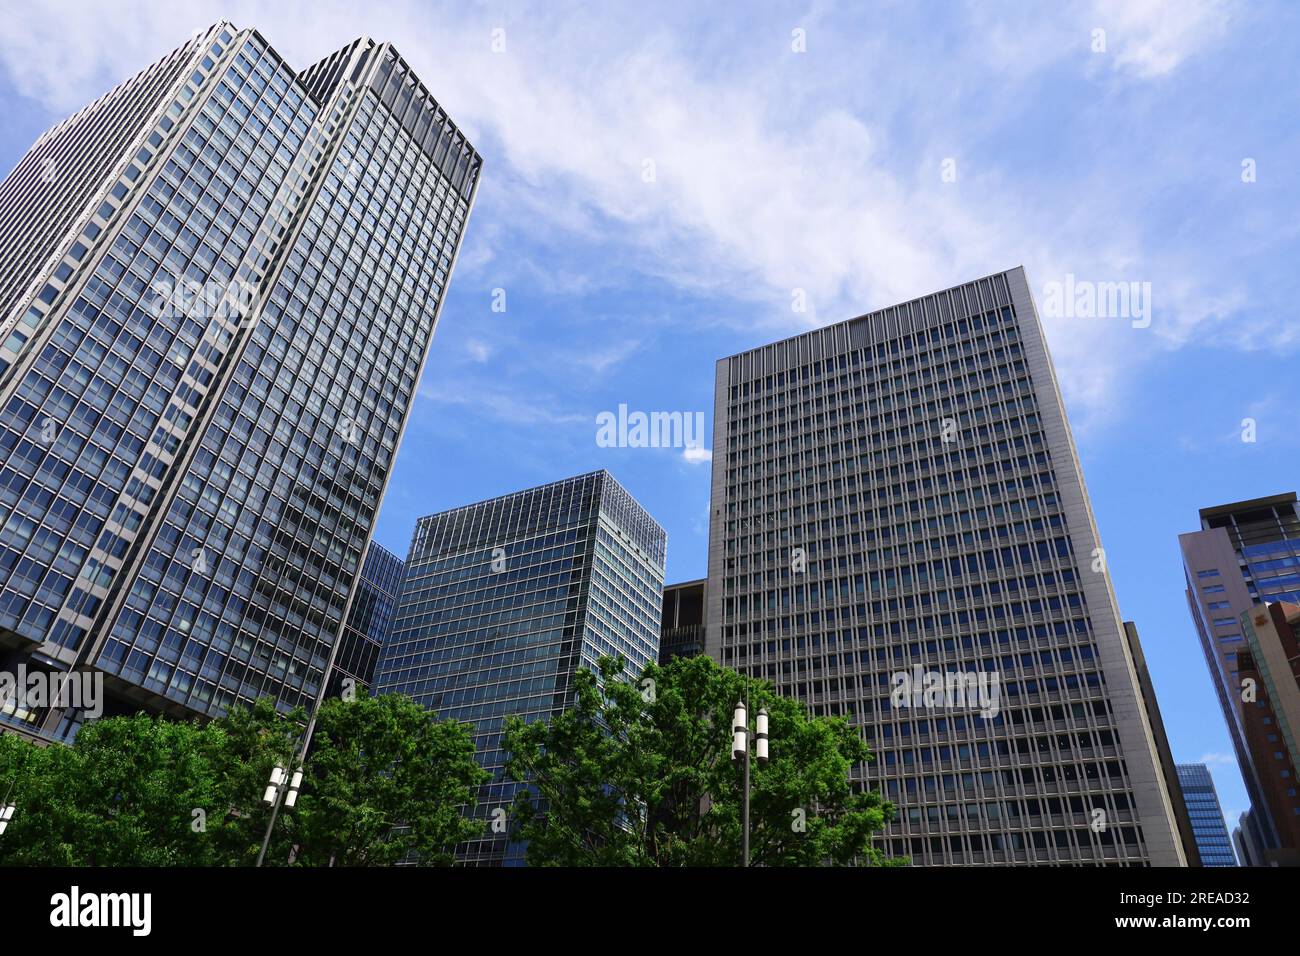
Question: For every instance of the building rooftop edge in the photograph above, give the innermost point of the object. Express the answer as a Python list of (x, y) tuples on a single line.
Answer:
[(867, 315), (1215, 511)]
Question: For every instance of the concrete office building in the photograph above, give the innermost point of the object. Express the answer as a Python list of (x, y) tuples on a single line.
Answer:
[(900, 533), (506, 599), (1248, 841), (1168, 768), (218, 286), (681, 631), (1244, 559), (1212, 841)]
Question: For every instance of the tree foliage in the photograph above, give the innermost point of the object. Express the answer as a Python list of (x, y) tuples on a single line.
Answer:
[(640, 774), (149, 791), (385, 782), (142, 791)]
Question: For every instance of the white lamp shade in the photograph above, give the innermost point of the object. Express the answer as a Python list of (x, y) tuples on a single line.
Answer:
[(739, 731), (738, 745)]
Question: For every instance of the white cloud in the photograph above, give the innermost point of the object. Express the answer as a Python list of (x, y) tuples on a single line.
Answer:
[(773, 173), (503, 406), (695, 455), (1217, 760), (1152, 37), (600, 360)]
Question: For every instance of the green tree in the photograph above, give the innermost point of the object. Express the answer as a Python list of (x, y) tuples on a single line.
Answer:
[(384, 779), (253, 740), (136, 791), (640, 774)]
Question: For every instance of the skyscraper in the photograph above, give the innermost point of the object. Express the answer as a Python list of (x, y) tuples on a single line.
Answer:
[(900, 533), (1168, 768), (218, 287), (369, 622), (681, 632), (1202, 799), (505, 599), (1248, 841), (1246, 555)]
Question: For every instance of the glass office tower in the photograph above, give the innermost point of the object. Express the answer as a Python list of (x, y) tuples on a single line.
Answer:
[(505, 599), (1212, 840), (900, 534), (369, 622), (224, 284)]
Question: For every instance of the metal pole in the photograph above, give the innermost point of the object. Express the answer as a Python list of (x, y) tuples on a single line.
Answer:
[(744, 841), (298, 759), (18, 772)]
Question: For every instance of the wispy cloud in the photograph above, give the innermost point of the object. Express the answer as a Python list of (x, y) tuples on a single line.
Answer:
[(1217, 760), (1152, 37), (507, 407), (718, 160)]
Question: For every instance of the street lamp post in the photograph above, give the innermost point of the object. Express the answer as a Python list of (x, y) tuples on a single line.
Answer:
[(8, 809), (275, 788), (740, 751)]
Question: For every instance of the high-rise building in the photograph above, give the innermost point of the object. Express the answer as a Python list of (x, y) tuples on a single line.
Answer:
[(369, 622), (1249, 841), (1202, 800), (1168, 768), (506, 599), (1243, 562), (1273, 639), (218, 286), (681, 632), (900, 534)]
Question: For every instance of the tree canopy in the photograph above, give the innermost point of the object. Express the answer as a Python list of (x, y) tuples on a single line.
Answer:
[(639, 773), (150, 791)]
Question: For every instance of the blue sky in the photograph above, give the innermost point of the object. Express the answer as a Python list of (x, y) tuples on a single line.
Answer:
[(823, 171)]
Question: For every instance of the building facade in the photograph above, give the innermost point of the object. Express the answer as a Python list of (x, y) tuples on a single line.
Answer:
[(1248, 841), (681, 632), (1244, 561), (1272, 634), (1168, 768), (1212, 841), (900, 534), (506, 599), (218, 288), (369, 622)]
